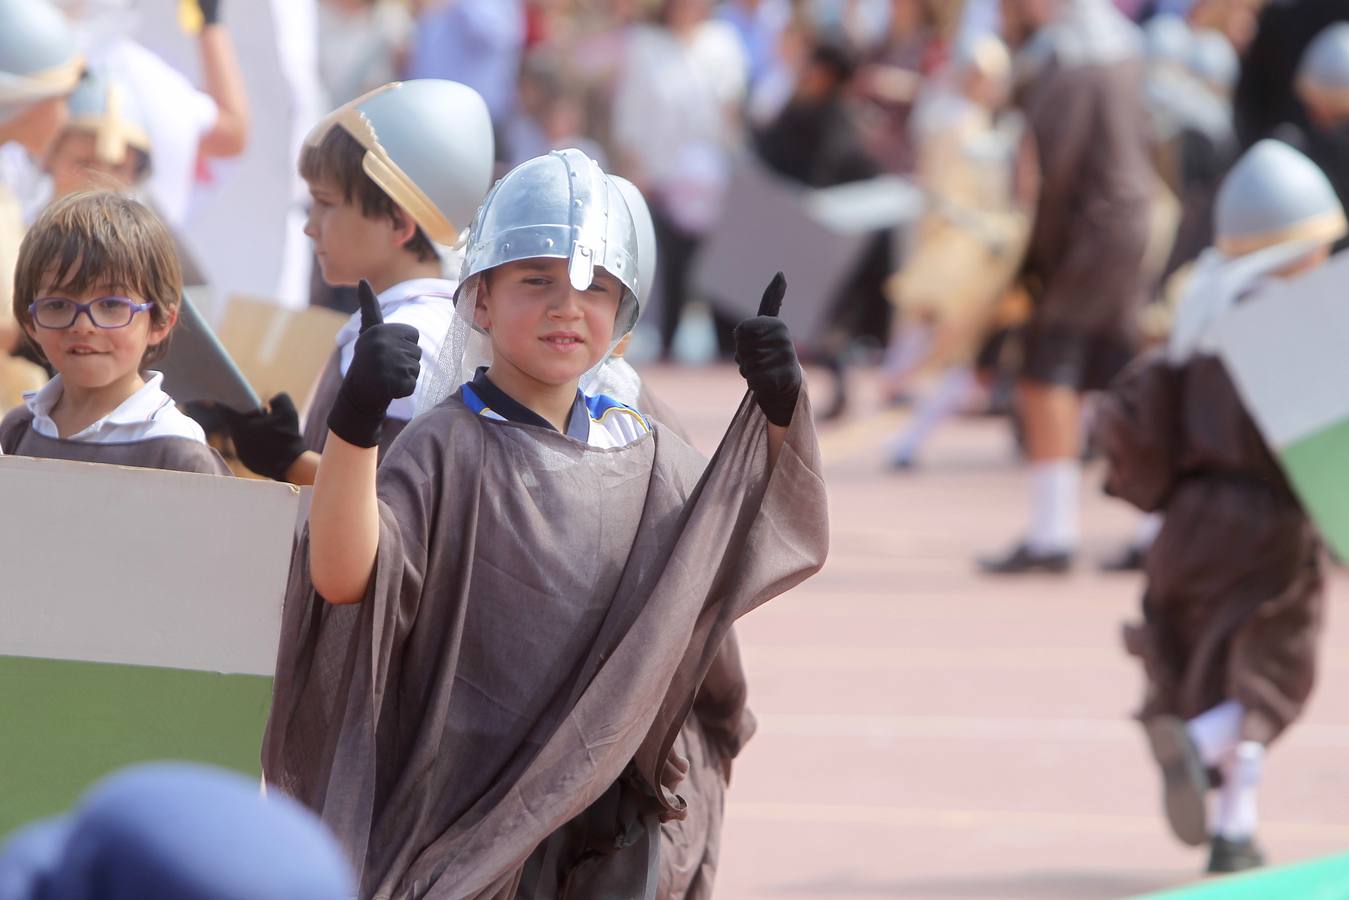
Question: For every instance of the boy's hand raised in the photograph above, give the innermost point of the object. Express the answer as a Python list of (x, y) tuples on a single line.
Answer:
[(767, 357), (267, 442), (384, 368)]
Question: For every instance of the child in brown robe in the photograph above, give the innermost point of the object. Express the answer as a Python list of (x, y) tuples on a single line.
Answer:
[(1234, 584), (97, 292), (493, 643), (391, 175)]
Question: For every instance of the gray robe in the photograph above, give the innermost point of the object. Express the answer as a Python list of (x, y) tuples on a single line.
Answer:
[(17, 438), (540, 619), (315, 431)]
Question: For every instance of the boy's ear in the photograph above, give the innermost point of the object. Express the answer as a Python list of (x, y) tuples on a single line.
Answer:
[(481, 317), (404, 229), (158, 333)]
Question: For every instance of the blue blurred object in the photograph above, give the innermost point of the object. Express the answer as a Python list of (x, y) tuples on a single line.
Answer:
[(176, 831)]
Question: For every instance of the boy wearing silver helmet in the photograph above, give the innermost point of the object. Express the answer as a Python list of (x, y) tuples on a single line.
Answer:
[(392, 175), (492, 645), (105, 145), (1234, 595)]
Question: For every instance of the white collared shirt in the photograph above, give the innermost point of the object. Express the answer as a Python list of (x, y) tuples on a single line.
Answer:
[(426, 304), (148, 413)]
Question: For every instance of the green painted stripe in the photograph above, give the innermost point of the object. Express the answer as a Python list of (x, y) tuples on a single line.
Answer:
[(1324, 879), (1318, 467), (64, 724)]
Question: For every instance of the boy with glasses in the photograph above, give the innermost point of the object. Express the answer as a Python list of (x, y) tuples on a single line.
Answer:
[(97, 292)]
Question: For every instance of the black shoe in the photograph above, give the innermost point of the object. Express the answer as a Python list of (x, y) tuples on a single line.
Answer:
[(903, 464), (1024, 560), (1184, 778), (1234, 856), (1131, 560)]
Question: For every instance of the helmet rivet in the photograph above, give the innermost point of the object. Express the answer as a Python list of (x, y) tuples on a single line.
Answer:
[(548, 243)]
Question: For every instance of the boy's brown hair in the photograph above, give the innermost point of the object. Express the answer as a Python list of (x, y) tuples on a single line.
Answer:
[(336, 160), (100, 240)]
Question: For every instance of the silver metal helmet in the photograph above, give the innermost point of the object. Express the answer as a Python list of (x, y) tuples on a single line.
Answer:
[(1213, 60), (108, 109), (1323, 73), (646, 239), (429, 146), (39, 57), (559, 206), (1167, 39), (1275, 195)]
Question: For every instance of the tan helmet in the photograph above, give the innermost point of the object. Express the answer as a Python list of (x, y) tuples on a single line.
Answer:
[(428, 145)]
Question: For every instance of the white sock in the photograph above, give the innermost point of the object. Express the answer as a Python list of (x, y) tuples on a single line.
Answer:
[(1055, 489), (935, 407), (1217, 731), (908, 351), (1148, 528), (1237, 814)]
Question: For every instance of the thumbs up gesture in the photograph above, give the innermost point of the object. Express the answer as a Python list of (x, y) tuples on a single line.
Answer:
[(384, 367), (767, 356)]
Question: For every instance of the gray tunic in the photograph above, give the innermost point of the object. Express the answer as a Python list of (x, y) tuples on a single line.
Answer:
[(18, 438), (540, 619)]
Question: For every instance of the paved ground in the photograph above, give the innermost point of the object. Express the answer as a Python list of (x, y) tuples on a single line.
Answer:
[(929, 733)]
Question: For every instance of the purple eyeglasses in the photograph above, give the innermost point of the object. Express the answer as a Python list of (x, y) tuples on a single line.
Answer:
[(57, 313)]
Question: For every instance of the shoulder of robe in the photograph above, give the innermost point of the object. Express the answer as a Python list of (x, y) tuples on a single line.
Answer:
[(14, 420)]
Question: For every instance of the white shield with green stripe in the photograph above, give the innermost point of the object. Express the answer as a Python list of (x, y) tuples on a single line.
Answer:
[(1287, 350), (139, 617)]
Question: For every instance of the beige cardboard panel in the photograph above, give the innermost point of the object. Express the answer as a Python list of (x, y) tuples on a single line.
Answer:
[(279, 349), (141, 566)]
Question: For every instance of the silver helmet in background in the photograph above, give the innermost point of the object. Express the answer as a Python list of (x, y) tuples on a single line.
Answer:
[(39, 57), (1275, 195)]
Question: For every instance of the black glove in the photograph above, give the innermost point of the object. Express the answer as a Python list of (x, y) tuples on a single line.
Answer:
[(384, 368), (767, 357), (210, 11), (269, 441)]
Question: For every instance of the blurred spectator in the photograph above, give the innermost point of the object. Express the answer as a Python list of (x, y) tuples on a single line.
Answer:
[(106, 144), (472, 42), (362, 44), (675, 120), (775, 86), (816, 139), (550, 112), (760, 24), (915, 46), (816, 142), (1265, 98), (185, 124)]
